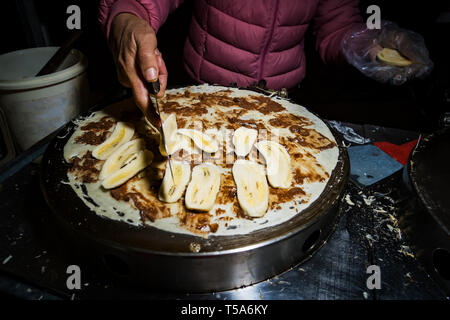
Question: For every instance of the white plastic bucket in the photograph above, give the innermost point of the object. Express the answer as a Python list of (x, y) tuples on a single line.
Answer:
[(36, 106)]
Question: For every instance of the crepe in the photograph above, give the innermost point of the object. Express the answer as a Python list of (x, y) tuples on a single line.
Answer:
[(218, 111)]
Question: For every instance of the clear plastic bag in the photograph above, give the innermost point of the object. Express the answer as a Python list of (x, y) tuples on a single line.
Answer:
[(361, 45)]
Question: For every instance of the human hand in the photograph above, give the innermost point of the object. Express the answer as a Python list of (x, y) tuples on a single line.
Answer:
[(138, 61)]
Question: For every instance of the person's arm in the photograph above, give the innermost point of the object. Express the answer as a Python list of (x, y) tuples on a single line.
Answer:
[(155, 12), (130, 27), (332, 21)]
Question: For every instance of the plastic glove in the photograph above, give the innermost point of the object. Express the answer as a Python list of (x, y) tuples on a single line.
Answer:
[(361, 46)]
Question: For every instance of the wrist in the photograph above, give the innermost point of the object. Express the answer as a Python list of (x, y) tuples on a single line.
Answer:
[(126, 24), (122, 21), (123, 18), (124, 6)]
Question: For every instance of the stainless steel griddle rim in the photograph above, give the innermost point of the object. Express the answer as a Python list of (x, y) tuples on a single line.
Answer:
[(343, 157), (236, 250), (205, 254), (202, 254), (319, 244)]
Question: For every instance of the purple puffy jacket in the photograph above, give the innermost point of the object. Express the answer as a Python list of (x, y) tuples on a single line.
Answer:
[(245, 41)]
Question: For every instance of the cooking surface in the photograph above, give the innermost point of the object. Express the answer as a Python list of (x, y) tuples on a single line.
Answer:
[(34, 265), (430, 174), (313, 157)]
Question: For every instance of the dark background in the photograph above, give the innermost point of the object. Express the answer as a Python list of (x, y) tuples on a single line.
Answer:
[(334, 92)]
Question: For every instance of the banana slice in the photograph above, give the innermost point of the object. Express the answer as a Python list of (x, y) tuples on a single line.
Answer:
[(278, 163), (169, 126), (172, 190), (174, 141), (203, 188), (243, 140), (122, 133), (181, 142), (201, 140), (252, 188), (393, 57), (130, 168), (120, 156)]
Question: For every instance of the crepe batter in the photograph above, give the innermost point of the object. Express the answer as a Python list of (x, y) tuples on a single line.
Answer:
[(218, 111)]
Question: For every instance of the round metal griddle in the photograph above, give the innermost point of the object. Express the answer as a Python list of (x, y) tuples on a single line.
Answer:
[(163, 261), (426, 220)]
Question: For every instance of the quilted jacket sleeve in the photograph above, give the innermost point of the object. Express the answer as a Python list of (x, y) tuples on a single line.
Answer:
[(332, 20), (154, 11)]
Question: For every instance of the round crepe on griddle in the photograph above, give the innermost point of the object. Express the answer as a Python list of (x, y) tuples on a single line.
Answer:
[(217, 111)]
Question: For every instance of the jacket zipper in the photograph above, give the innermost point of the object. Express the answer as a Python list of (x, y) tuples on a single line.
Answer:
[(266, 47)]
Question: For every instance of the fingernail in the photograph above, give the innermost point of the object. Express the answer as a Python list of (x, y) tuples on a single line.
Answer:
[(150, 74), (157, 52)]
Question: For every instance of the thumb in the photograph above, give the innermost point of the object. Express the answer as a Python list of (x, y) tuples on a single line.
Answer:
[(146, 57)]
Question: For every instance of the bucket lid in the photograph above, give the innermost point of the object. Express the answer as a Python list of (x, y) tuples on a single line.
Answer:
[(18, 68)]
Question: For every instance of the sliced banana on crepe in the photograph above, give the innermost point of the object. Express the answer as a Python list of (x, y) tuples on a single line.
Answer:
[(201, 140), (122, 133), (252, 188), (393, 57), (174, 141), (169, 126), (203, 188), (278, 163), (172, 189), (243, 140), (180, 142), (129, 169), (120, 156)]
